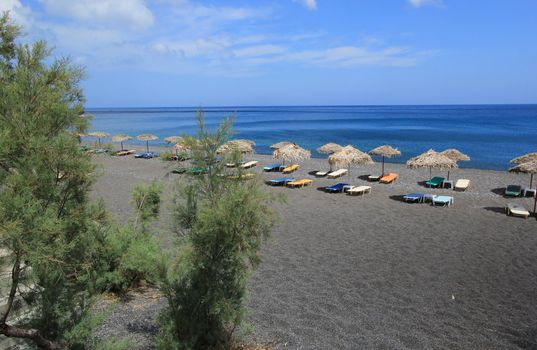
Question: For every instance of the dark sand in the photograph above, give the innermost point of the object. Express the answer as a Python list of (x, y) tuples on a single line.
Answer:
[(373, 272)]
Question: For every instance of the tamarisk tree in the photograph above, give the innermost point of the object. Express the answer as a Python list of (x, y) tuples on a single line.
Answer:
[(50, 234), (223, 219)]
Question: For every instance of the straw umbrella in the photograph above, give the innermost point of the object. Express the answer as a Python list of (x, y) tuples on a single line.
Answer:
[(291, 152), (524, 159), (529, 167), (349, 155), (99, 135), (173, 139), (431, 159), (329, 148), (147, 138), (243, 146), (455, 155), (385, 151), (281, 144), (121, 138)]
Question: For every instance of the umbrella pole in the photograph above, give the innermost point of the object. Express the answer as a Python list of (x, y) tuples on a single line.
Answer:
[(99, 142), (531, 179), (448, 175), (535, 206), (430, 173), (121, 145), (382, 165), (147, 146)]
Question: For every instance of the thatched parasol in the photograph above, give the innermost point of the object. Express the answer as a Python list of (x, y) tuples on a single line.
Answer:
[(455, 155), (173, 139), (529, 167), (525, 158), (147, 138), (121, 138), (431, 159), (243, 146), (99, 135), (349, 155), (385, 151), (329, 148), (281, 144), (291, 152)]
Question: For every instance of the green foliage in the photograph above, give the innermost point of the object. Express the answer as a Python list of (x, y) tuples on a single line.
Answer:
[(224, 222), (63, 249), (146, 200), (131, 258)]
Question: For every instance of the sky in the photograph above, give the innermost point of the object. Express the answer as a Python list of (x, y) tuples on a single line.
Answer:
[(167, 53)]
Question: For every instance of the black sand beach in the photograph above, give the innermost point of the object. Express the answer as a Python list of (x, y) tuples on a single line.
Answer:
[(371, 272)]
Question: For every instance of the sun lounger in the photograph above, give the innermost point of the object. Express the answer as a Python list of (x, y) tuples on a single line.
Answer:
[(249, 164), (435, 181), (388, 178), (147, 155), (515, 209), (513, 191), (336, 188), (414, 197), (321, 173), (290, 169), (337, 173), (280, 181), (300, 183), (359, 190), (196, 171), (245, 176), (125, 152), (462, 184), (273, 167), (373, 178), (443, 200)]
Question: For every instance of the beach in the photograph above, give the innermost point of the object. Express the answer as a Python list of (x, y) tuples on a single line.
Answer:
[(367, 272)]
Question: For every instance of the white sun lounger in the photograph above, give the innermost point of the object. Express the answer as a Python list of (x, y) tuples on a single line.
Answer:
[(249, 164), (321, 173), (443, 200), (338, 173), (359, 190), (515, 209), (462, 184)]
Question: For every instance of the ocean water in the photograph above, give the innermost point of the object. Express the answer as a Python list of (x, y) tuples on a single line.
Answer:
[(490, 134)]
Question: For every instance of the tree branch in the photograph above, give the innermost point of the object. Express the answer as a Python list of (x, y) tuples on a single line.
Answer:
[(32, 334)]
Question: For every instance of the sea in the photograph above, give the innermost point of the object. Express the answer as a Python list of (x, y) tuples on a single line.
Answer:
[(490, 134)]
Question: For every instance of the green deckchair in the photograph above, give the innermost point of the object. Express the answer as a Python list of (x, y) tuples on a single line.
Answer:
[(513, 191), (435, 181)]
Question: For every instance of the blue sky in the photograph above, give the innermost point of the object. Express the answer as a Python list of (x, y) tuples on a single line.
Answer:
[(292, 52)]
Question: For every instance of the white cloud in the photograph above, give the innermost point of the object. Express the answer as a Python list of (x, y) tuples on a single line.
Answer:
[(420, 3), (309, 4), (22, 15), (133, 13)]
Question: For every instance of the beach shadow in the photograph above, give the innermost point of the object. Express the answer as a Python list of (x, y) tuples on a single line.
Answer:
[(364, 177), (398, 198), (526, 340), (498, 210), (499, 191), (312, 173), (322, 189)]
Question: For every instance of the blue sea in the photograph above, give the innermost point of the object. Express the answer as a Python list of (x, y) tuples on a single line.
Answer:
[(490, 134)]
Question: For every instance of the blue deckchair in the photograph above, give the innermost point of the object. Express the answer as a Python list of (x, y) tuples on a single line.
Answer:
[(147, 155), (273, 167), (281, 181), (336, 188), (414, 197)]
